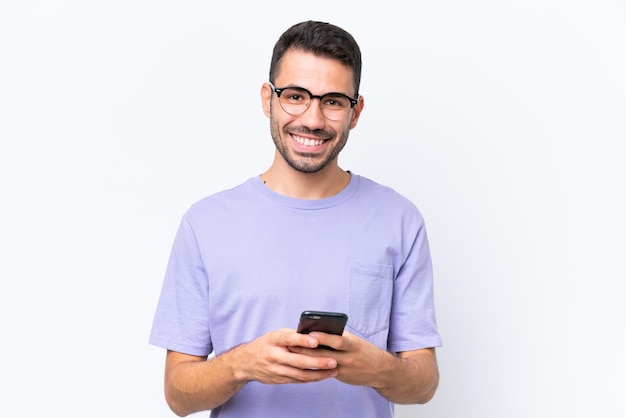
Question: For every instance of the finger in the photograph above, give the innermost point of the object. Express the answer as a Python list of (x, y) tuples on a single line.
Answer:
[(278, 373), (328, 340), (310, 362), (295, 375), (291, 338), (347, 333)]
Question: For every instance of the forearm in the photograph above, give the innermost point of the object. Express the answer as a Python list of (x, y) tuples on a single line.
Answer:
[(408, 378), (192, 386)]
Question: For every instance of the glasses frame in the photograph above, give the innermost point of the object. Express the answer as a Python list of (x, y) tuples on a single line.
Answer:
[(279, 90)]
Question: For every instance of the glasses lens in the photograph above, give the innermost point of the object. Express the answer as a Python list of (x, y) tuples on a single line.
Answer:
[(335, 106), (296, 101)]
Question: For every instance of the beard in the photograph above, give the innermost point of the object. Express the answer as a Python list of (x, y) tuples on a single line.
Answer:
[(305, 162)]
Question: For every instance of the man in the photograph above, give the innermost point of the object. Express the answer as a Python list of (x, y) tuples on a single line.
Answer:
[(304, 235)]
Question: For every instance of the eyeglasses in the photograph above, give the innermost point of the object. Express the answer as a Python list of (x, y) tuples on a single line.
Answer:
[(296, 100)]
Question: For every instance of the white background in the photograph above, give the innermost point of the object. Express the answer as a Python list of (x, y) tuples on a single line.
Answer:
[(504, 121)]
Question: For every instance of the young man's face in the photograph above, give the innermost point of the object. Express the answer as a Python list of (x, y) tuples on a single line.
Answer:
[(309, 142)]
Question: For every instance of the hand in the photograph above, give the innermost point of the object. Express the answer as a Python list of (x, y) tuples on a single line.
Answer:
[(359, 362), (269, 359)]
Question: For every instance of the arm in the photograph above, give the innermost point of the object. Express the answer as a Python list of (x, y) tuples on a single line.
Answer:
[(412, 376), (193, 383), (406, 378)]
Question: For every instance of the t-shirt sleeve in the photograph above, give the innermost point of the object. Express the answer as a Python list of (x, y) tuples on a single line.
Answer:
[(181, 319), (413, 323)]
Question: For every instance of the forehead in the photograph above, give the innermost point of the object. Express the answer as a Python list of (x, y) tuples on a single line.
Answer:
[(315, 73)]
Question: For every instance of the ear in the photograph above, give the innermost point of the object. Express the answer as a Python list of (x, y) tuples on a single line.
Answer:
[(266, 98), (358, 108)]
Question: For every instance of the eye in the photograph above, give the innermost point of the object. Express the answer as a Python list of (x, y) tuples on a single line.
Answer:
[(294, 96), (336, 101)]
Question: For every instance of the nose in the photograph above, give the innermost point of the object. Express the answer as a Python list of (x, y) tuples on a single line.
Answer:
[(312, 117)]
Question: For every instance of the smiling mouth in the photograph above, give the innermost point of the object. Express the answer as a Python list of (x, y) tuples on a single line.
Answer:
[(307, 142)]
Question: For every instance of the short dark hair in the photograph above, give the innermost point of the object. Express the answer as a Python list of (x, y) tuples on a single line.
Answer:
[(322, 39)]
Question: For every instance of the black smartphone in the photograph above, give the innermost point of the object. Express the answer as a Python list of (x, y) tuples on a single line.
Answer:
[(328, 322)]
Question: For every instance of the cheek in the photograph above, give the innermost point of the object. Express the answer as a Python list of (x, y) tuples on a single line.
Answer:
[(345, 128), (354, 118)]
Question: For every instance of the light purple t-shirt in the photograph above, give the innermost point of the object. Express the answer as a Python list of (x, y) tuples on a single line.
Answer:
[(247, 261)]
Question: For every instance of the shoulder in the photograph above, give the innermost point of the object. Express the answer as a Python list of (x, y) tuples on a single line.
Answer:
[(385, 199), (223, 202)]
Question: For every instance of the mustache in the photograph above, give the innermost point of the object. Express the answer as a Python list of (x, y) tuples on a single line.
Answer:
[(318, 133)]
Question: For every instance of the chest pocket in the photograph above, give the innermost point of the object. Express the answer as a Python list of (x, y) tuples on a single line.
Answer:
[(370, 291)]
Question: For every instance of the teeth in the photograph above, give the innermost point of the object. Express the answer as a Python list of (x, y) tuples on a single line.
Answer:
[(308, 142)]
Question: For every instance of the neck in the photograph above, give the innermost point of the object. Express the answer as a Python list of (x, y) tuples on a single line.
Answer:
[(290, 182)]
